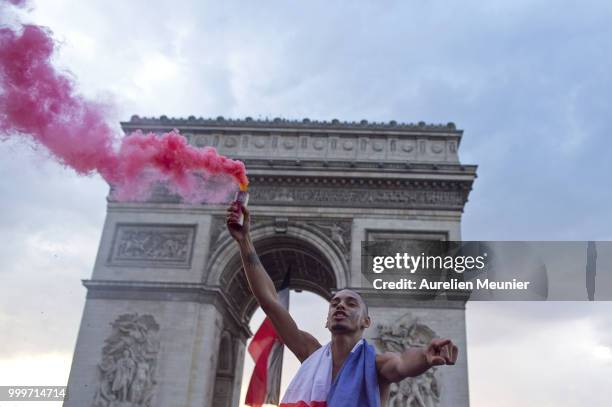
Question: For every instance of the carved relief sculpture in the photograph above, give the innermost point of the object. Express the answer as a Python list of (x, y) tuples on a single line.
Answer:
[(129, 360), (152, 245), (420, 391), (336, 233)]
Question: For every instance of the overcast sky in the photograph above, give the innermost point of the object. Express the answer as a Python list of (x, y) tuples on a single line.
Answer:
[(528, 81)]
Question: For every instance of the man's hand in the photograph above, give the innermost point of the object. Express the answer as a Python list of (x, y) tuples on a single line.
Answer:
[(394, 367), (441, 352), (237, 231)]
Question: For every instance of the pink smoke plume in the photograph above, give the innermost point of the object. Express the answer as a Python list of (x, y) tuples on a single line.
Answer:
[(38, 101)]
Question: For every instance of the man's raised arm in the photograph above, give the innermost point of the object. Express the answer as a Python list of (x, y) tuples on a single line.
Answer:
[(301, 343), (395, 367)]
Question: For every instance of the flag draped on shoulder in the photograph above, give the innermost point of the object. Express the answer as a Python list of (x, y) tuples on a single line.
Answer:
[(266, 349), (356, 384)]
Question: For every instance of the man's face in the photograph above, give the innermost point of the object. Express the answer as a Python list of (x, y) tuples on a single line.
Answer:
[(347, 312)]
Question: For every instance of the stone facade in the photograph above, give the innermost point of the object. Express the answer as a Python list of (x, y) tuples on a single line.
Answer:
[(166, 317)]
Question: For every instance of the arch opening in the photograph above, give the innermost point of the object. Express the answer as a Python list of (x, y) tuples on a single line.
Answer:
[(309, 311), (310, 270)]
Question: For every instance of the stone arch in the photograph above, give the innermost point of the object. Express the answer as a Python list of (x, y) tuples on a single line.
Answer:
[(318, 264)]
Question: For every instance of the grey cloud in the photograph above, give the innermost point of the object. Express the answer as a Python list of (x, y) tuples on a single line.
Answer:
[(527, 81), (51, 221)]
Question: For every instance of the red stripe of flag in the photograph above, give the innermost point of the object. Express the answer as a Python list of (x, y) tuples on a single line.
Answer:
[(262, 388), (260, 348)]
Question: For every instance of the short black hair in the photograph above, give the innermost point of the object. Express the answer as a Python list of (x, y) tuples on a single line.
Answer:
[(358, 295)]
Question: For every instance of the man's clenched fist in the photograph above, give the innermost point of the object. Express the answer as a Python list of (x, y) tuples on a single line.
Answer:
[(441, 352)]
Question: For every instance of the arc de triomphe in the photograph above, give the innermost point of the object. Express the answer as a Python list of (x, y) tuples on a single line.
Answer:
[(166, 317)]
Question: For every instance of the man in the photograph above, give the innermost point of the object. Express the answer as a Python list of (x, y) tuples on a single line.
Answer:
[(365, 372)]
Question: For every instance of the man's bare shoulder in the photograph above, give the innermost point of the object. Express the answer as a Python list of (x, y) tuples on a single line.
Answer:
[(310, 346)]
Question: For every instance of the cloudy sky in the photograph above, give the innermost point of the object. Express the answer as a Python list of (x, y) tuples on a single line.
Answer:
[(528, 81)]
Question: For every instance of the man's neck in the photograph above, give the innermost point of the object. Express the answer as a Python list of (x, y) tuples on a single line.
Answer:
[(342, 344)]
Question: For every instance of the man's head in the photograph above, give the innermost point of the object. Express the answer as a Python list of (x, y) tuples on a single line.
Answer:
[(348, 312)]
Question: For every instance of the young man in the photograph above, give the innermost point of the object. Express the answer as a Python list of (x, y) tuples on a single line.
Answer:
[(346, 371)]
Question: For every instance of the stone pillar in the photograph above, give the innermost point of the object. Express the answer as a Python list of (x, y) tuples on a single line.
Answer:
[(151, 351), (228, 378), (151, 327), (401, 321), (398, 324)]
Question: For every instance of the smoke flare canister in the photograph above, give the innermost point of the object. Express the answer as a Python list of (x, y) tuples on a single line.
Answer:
[(243, 198)]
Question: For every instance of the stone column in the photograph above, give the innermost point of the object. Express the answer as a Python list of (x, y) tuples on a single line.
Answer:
[(151, 327), (152, 352), (398, 324), (228, 378)]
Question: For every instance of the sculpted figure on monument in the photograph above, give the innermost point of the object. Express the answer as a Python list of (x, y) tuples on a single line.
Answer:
[(419, 391), (153, 244), (129, 359), (335, 232), (133, 244), (140, 384), (124, 375)]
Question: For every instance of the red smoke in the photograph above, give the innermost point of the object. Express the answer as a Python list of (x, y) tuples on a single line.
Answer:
[(146, 159), (38, 101)]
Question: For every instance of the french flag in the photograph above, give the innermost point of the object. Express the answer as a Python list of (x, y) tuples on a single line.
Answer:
[(266, 349), (355, 386)]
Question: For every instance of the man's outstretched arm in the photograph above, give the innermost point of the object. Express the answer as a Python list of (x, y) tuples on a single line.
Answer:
[(395, 367), (301, 343)]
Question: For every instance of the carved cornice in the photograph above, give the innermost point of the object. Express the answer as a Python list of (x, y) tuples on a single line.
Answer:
[(349, 193), (371, 183), (359, 193), (280, 139), (167, 291), (278, 122), (379, 167)]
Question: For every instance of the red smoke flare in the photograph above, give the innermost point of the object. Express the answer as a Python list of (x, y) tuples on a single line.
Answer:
[(38, 101)]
